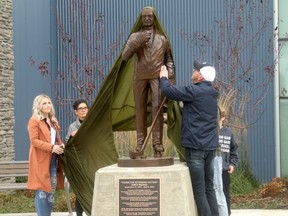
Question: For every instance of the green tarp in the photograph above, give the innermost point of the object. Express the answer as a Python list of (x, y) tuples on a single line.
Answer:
[(113, 110)]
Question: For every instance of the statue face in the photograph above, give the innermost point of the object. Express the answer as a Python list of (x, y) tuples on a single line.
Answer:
[(147, 17)]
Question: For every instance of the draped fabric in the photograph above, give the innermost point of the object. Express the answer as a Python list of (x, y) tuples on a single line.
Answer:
[(113, 110)]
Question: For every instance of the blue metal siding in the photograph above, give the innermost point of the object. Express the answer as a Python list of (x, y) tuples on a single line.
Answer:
[(31, 26), (177, 17)]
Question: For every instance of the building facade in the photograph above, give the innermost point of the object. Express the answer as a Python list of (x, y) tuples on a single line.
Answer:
[(46, 32)]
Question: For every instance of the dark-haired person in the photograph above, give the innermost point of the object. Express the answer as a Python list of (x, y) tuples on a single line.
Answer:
[(80, 109), (199, 131)]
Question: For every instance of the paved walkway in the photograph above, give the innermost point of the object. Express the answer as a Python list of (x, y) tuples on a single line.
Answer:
[(259, 212), (245, 212)]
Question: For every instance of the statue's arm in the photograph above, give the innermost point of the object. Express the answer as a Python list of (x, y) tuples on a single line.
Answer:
[(170, 65), (134, 42)]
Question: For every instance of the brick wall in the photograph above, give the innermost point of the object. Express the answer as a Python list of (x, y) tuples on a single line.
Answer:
[(6, 82)]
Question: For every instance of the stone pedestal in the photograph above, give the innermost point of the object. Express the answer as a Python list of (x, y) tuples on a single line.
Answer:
[(157, 191)]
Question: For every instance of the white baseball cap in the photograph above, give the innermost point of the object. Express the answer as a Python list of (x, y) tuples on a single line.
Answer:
[(207, 71)]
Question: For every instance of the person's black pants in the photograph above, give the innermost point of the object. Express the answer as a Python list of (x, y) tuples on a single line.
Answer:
[(78, 208), (226, 188)]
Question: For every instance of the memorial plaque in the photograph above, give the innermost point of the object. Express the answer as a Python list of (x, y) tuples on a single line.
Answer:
[(139, 197)]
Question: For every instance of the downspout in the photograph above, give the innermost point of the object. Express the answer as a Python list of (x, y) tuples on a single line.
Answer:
[(276, 91)]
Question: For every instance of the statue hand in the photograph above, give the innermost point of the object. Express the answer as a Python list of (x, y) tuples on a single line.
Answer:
[(140, 39), (163, 72), (147, 35)]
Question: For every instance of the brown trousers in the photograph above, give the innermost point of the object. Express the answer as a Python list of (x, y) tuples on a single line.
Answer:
[(141, 91)]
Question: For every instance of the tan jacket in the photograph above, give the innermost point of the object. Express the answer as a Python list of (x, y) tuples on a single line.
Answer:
[(40, 155)]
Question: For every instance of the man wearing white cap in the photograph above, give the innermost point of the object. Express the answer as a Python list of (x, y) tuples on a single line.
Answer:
[(199, 131)]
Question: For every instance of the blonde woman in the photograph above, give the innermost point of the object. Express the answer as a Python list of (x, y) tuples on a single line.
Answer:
[(45, 170)]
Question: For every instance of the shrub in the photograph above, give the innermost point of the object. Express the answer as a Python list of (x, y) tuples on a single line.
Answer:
[(242, 180), (274, 188)]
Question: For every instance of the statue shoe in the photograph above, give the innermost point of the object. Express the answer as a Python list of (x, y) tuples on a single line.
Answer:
[(139, 147), (157, 154), (158, 149)]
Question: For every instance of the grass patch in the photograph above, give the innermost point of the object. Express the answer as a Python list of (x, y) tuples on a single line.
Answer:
[(247, 193), (243, 181), (23, 201)]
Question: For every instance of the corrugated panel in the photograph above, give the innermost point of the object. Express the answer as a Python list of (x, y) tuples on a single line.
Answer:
[(187, 24), (261, 134), (31, 38)]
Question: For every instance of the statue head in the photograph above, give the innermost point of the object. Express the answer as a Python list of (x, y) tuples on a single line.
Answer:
[(147, 17)]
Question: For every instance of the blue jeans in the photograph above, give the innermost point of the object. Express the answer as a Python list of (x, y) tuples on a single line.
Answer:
[(218, 185), (44, 200), (201, 167)]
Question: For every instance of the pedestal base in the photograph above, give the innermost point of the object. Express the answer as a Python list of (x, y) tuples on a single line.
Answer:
[(146, 162), (158, 191)]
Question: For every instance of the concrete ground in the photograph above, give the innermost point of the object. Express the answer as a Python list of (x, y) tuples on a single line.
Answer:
[(259, 212), (243, 212)]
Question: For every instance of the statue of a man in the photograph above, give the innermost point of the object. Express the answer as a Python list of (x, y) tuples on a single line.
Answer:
[(151, 49)]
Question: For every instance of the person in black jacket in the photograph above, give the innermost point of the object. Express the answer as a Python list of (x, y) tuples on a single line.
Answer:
[(229, 156), (199, 131)]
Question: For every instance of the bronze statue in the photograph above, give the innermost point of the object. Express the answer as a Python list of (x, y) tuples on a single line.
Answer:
[(151, 49)]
